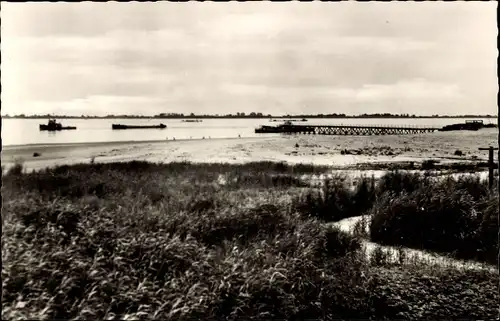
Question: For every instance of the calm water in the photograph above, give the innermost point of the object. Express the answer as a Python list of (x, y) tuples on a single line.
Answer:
[(26, 131)]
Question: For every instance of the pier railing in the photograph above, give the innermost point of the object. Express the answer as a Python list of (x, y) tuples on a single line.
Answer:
[(357, 130)]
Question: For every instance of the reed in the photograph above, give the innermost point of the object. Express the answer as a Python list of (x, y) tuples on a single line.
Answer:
[(176, 242)]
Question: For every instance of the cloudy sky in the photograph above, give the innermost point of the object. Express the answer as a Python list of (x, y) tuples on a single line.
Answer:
[(278, 58)]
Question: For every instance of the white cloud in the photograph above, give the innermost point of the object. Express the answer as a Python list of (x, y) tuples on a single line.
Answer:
[(248, 57)]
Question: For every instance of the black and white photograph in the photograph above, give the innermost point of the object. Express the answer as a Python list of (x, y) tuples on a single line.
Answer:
[(250, 160)]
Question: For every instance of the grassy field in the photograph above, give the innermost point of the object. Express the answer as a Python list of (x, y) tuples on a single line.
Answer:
[(185, 241)]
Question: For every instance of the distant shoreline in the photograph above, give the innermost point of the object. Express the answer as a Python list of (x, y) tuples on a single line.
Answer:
[(248, 117)]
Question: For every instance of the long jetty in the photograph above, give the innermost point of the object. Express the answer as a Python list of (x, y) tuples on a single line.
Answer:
[(353, 130)]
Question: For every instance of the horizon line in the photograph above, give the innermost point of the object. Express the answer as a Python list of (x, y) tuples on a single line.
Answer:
[(257, 115)]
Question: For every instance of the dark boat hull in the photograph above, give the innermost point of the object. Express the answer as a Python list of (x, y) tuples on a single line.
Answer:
[(119, 126), (474, 127), (283, 129), (268, 129), (469, 125), (52, 129)]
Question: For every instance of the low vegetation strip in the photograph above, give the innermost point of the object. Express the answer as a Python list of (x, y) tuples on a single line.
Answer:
[(177, 242)]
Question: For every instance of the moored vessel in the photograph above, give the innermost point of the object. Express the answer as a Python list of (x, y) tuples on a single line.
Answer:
[(121, 126), (52, 125)]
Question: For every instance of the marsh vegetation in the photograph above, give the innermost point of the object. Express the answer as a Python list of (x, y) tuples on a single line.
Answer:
[(185, 241)]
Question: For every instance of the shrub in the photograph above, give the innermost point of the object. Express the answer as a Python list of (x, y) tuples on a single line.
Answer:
[(379, 257), (399, 182), (429, 164), (339, 244), (16, 169), (486, 236), (265, 180), (337, 201), (444, 218)]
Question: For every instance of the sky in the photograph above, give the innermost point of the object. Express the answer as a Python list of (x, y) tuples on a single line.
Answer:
[(276, 58)]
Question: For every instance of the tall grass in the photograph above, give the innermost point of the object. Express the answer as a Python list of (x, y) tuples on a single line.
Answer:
[(145, 240), (336, 200), (455, 216), (140, 240)]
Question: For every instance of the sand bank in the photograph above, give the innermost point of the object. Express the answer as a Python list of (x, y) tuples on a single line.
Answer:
[(339, 151)]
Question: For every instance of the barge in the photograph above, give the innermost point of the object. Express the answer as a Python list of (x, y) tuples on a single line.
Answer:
[(468, 125), (287, 127), (120, 126)]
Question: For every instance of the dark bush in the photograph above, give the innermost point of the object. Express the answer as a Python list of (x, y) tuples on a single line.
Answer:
[(16, 169), (443, 218), (339, 244), (265, 180), (398, 182), (429, 164), (337, 201)]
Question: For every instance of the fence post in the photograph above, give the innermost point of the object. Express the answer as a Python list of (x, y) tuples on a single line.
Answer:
[(491, 165)]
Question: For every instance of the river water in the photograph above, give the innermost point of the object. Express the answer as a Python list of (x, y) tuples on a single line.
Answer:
[(26, 131)]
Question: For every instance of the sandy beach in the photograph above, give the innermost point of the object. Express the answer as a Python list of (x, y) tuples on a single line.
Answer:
[(338, 151)]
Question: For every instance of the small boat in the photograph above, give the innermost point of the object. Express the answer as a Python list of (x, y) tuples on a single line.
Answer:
[(54, 126), (120, 126)]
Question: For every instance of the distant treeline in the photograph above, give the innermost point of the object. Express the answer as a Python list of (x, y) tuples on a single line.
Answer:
[(252, 115)]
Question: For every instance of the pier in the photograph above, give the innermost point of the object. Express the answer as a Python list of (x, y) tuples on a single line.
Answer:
[(347, 130)]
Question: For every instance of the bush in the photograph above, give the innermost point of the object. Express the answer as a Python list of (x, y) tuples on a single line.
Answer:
[(444, 218), (486, 236), (337, 201), (265, 180), (429, 164), (380, 257), (398, 182), (16, 169)]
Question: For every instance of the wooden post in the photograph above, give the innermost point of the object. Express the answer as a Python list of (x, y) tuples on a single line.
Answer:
[(491, 165)]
